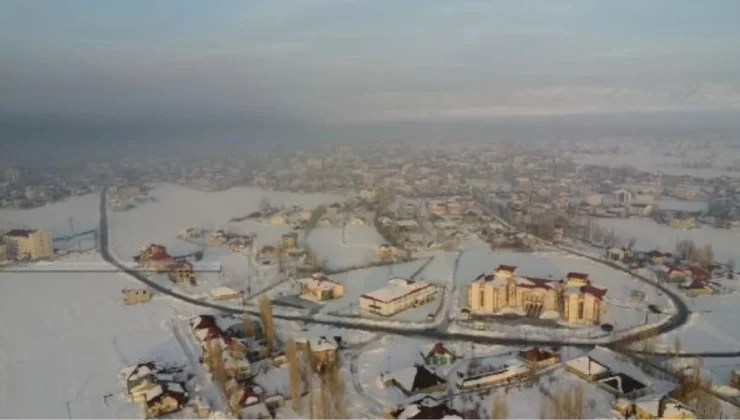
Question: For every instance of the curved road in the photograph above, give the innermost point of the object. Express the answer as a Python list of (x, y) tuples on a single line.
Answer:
[(432, 332)]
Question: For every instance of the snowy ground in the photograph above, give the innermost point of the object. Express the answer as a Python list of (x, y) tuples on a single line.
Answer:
[(70, 337), (621, 312), (55, 217), (713, 325), (650, 157), (681, 205), (345, 247), (651, 235), (178, 208)]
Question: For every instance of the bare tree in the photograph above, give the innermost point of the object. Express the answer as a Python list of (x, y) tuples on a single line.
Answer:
[(610, 238), (677, 345), (264, 203), (268, 322), (565, 404), (294, 366), (686, 249), (500, 409), (215, 361), (250, 330), (597, 234), (707, 256), (706, 405), (631, 242)]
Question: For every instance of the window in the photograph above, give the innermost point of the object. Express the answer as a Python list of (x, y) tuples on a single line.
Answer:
[(580, 309), (482, 297)]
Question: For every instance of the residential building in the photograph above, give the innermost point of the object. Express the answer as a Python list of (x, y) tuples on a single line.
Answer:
[(140, 380), (278, 219), (136, 296), (224, 293), (437, 354), (401, 294), (181, 272), (3, 252), (385, 252), (318, 287), (154, 257), (511, 371), (29, 244), (696, 288), (289, 240), (683, 222), (168, 401), (538, 358), (425, 408), (662, 408)]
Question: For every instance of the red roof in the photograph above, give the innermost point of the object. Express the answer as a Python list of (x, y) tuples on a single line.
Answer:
[(697, 284), (537, 283), (509, 268), (536, 354), (249, 393), (438, 349), (18, 233), (699, 273), (575, 275), (594, 291), (320, 277)]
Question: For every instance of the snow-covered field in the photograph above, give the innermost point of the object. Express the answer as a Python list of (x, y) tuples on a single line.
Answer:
[(652, 157), (178, 208), (713, 325), (681, 205), (651, 235), (345, 247), (55, 217), (65, 336)]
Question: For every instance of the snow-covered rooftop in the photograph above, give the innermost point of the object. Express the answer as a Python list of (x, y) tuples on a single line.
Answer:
[(396, 289)]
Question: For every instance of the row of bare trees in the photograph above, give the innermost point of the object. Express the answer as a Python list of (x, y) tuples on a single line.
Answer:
[(686, 249)]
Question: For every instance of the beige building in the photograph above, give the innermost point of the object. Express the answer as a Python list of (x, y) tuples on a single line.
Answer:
[(3, 252), (29, 244), (318, 287), (385, 252), (289, 240), (491, 293), (575, 299), (182, 272), (135, 296), (583, 305)]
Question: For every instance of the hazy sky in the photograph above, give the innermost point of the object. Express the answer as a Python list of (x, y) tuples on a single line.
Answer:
[(367, 60)]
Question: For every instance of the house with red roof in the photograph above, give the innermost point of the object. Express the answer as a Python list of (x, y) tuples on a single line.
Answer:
[(437, 354), (154, 257)]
